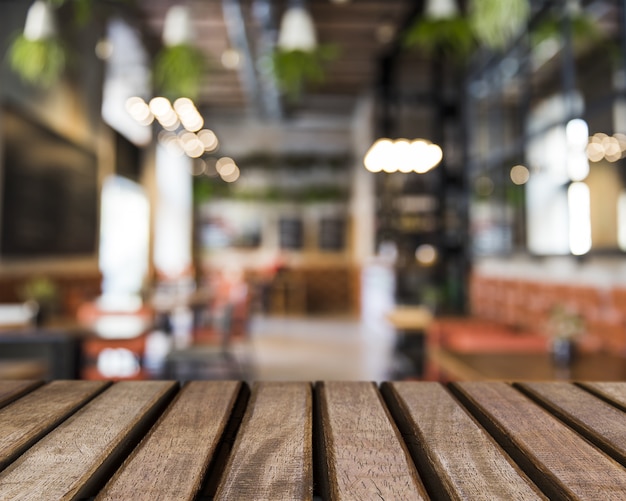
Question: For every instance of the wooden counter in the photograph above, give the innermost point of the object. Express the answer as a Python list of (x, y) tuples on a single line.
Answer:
[(511, 366), (336, 440)]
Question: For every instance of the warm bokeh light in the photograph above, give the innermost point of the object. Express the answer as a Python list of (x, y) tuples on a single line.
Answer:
[(232, 175), (192, 140), (402, 155), (160, 106), (520, 174), (139, 110), (188, 114), (209, 139), (231, 59), (426, 255), (601, 146)]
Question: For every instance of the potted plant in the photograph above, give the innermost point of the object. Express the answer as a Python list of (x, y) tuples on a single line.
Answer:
[(43, 294), (179, 65), (565, 325), (37, 55), (296, 68)]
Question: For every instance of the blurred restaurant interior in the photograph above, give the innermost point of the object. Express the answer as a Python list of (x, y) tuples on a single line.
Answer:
[(308, 190)]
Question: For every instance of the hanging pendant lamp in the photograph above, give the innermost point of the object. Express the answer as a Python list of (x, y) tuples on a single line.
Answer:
[(40, 23), (177, 28), (441, 9), (297, 31)]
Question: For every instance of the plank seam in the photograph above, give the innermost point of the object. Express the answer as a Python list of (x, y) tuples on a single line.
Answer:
[(118, 455), (217, 466), (573, 423), (541, 479)]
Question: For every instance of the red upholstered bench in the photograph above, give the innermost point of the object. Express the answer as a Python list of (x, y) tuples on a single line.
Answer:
[(467, 334)]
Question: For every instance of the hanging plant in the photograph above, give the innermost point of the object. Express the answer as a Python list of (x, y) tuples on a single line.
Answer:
[(294, 69), (178, 70), (451, 35), (494, 22), (37, 55), (38, 62), (585, 30)]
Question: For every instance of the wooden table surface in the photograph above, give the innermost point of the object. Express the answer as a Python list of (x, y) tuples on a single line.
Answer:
[(527, 366), (160, 440)]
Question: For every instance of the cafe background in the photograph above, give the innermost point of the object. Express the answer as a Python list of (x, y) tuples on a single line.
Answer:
[(525, 211)]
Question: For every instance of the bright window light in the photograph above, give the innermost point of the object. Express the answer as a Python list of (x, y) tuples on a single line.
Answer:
[(578, 199), (124, 236)]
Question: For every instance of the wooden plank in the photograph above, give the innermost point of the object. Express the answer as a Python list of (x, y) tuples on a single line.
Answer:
[(552, 454), (172, 460), (612, 392), (600, 422), (272, 457), (365, 457), (76, 458), (14, 389), (26, 420), (457, 458)]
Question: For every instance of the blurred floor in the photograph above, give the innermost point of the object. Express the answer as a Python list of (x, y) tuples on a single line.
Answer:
[(320, 348)]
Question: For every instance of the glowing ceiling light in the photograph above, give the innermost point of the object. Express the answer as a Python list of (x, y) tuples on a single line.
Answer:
[(375, 157), (178, 27), (297, 31), (426, 255), (441, 9), (231, 59), (520, 174), (209, 139), (39, 21), (160, 106), (403, 155), (231, 177)]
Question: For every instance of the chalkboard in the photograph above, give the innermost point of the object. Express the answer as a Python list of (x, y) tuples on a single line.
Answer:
[(49, 199), (290, 233), (332, 233)]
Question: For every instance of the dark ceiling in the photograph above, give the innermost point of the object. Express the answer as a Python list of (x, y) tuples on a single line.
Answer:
[(363, 31)]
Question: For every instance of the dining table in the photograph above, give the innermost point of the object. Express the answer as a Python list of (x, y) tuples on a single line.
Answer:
[(312, 440)]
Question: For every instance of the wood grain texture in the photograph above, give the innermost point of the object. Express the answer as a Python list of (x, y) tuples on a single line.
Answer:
[(457, 458), (272, 457), (170, 463), (29, 418), (613, 392), (600, 422), (13, 389), (559, 461), (365, 457), (69, 462)]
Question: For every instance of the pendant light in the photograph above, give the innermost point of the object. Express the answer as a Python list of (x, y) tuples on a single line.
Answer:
[(297, 31), (40, 24), (177, 27), (441, 9)]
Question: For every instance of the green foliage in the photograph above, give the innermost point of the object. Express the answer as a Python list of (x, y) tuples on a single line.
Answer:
[(178, 71), (452, 36), (584, 30), (40, 289), (294, 69), (39, 62), (494, 22), (83, 11)]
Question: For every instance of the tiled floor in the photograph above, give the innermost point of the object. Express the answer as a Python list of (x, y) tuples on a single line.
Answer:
[(319, 348)]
